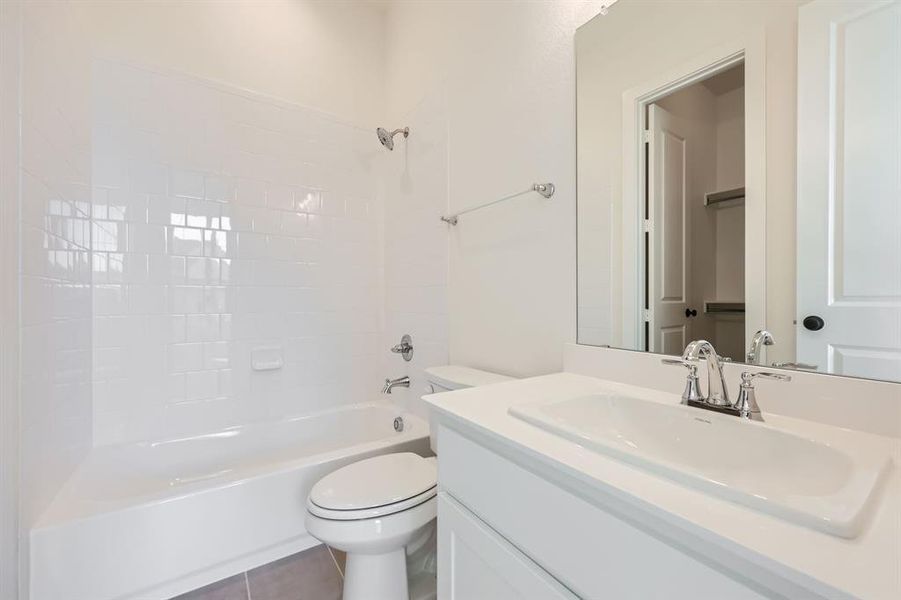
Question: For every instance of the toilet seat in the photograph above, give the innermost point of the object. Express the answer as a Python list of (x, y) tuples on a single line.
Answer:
[(375, 487), (374, 512)]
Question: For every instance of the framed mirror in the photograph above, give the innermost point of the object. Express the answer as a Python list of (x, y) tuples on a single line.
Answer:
[(739, 180)]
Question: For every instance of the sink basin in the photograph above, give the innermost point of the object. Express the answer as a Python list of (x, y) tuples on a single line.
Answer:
[(771, 470)]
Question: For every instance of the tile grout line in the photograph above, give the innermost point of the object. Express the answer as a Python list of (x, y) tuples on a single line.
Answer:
[(334, 560), (247, 585)]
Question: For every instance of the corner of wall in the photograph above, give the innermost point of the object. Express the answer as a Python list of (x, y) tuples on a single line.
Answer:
[(10, 46)]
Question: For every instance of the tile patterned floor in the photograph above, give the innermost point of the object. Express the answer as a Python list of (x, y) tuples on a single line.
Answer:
[(309, 575)]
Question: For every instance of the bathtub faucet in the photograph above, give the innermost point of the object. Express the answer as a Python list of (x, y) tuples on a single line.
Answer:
[(390, 384)]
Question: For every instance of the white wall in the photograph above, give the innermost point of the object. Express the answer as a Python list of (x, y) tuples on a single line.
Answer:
[(504, 74), (730, 139), (325, 55)]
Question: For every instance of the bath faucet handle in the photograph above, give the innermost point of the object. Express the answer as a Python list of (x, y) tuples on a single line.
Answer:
[(404, 348), (746, 403), (692, 390)]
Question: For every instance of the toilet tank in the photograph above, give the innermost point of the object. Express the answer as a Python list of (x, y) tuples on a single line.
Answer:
[(454, 377)]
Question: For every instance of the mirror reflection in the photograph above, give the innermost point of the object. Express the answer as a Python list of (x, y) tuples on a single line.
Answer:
[(739, 173)]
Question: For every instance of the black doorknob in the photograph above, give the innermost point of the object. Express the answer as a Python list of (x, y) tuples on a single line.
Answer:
[(690, 312), (813, 323)]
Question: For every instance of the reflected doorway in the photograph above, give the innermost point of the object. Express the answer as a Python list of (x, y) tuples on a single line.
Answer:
[(694, 217)]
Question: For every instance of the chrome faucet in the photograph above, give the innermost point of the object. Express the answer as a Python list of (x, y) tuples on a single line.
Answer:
[(390, 384), (760, 339), (717, 398), (717, 392)]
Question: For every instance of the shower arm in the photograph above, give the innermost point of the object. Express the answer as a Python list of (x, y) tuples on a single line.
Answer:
[(545, 189)]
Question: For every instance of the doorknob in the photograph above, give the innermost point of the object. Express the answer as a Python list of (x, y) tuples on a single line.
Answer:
[(813, 323), (690, 312)]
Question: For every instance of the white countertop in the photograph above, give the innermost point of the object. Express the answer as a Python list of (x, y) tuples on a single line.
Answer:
[(868, 566)]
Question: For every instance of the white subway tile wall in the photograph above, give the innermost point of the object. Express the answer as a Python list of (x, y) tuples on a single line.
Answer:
[(224, 222)]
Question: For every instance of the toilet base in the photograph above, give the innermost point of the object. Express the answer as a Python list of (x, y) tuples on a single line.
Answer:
[(376, 576)]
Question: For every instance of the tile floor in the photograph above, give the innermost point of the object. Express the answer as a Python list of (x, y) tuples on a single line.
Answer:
[(309, 575)]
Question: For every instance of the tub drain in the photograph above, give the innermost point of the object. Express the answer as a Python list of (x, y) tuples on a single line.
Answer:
[(399, 424)]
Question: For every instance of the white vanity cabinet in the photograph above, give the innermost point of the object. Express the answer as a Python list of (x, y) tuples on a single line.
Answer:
[(506, 532), (476, 562)]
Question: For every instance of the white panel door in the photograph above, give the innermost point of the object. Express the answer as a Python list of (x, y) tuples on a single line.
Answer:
[(475, 563), (849, 187), (669, 279)]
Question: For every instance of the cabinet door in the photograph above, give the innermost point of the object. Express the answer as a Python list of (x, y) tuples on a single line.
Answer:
[(475, 563)]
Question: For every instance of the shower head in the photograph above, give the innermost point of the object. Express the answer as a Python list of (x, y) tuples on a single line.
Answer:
[(387, 137)]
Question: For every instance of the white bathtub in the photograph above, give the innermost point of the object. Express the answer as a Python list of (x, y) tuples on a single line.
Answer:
[(154, 519)]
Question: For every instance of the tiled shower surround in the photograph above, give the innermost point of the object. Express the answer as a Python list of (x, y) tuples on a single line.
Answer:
[(228, 229)]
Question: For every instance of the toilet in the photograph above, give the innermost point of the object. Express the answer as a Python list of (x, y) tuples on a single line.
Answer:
[(381, 511)]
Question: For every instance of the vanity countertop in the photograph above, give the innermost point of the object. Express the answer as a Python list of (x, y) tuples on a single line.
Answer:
[(868, 566)]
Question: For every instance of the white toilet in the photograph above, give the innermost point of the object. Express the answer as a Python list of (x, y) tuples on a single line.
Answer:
[(381, 511)]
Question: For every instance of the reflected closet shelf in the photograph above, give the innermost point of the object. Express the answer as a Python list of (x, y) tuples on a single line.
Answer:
[(725, 198), (724, 308)]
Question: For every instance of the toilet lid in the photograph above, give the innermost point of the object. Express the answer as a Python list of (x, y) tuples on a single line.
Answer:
[(375, 482)]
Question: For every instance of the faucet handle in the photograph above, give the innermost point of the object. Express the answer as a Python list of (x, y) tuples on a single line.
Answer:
[(679, 362), (692, 390), (746, 404), (748, 377), (404, 348)]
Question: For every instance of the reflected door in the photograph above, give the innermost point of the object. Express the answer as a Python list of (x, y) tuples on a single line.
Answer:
[(668, 233), (849, 187)]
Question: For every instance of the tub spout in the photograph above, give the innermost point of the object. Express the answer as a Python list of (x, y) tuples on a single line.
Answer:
[(390, 384)]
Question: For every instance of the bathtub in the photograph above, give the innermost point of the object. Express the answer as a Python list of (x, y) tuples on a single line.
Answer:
[(151, 520)]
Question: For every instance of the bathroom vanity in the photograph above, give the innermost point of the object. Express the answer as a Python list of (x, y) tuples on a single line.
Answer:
[(530, 510)]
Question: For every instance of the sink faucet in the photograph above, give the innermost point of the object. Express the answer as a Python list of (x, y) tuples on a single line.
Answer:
[(390, 384), (717, 392), (717, 398), (761, 338)]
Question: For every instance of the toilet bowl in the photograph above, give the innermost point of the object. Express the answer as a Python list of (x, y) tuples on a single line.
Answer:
[(374, 510), (381, 511)]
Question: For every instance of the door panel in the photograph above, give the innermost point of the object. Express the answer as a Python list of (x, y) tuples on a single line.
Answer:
[(669, 275), (849, 186), (671, 203), (867, 149), (865, 362), (673, 340)]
